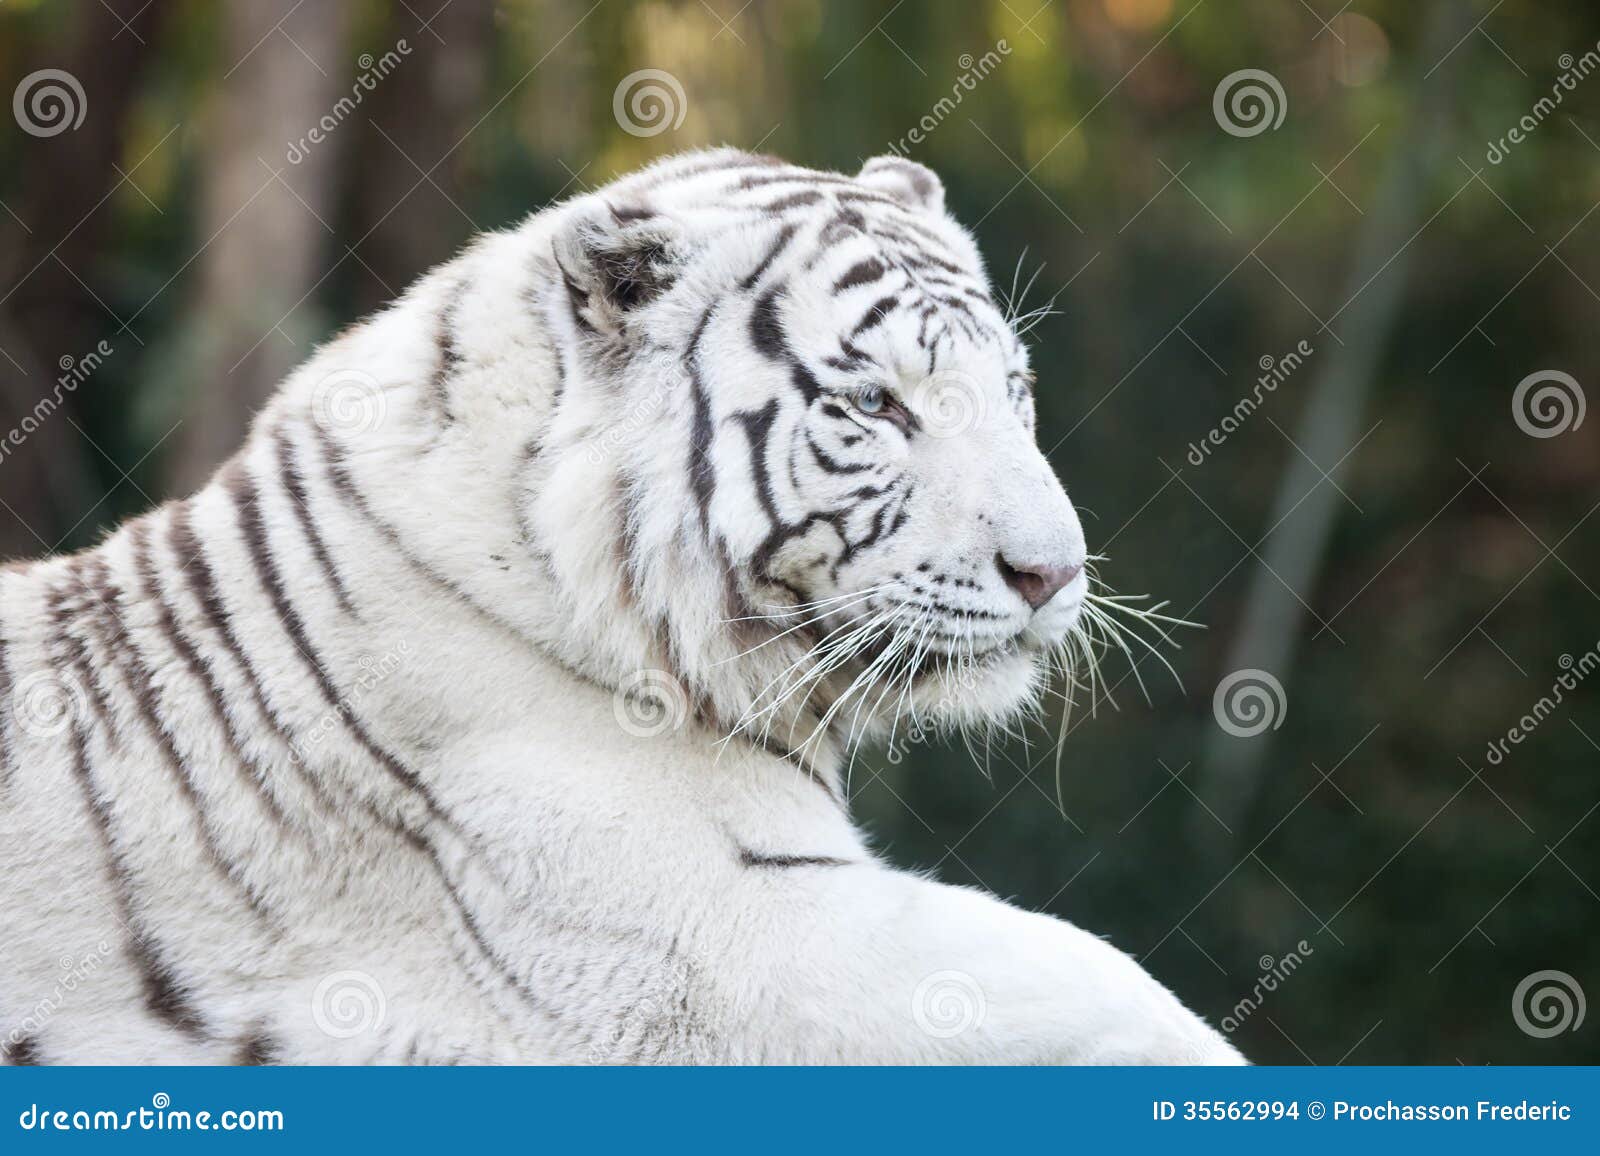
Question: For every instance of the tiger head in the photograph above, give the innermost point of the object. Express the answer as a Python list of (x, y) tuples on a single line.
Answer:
[(796, 431)]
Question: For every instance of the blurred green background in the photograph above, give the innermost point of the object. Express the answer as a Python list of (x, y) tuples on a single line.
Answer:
[(1405, 544)]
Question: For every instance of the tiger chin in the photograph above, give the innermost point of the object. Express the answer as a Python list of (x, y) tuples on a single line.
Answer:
[(492, 703)]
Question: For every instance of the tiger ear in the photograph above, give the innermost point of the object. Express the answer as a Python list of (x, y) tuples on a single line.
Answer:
[(615, 259), (917, 186)]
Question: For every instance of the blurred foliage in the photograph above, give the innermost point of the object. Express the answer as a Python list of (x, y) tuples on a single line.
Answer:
[(1461, 567)]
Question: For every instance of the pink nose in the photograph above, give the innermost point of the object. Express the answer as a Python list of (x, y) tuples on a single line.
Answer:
[(1036, 581)]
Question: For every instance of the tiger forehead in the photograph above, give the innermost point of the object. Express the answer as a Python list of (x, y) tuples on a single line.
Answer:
[(735, 189), (877, 266)]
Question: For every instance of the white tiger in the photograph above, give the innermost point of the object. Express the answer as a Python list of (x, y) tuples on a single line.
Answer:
[(492, 703)]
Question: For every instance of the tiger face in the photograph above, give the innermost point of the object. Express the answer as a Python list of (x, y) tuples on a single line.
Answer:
[(857, 422)]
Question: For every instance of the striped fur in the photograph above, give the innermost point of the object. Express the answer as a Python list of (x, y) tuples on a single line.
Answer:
[(493, 702)]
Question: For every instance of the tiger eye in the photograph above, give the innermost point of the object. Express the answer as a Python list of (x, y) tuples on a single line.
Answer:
[(870, 399)]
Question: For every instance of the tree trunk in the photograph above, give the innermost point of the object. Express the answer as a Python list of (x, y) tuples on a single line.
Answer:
[(266, 216), (1231, 767), (50, 312)]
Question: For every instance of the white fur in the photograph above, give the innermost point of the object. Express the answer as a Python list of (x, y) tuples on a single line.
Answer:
[(538, 629)]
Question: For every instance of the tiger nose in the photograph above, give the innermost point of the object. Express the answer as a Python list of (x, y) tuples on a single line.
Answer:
[(1037, 582)]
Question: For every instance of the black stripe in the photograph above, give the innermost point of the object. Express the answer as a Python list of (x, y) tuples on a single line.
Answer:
[(781, 242), (577, 297), (241, 488), (344, 485), (506, 972), (753, 161), (749, 858), (758, 428), (7, 749), (630, 213), (192, 558), (257, 1049), (251, 771), (766, 332), (702, 474), (874, 316), (792, 201), (831, 464), (797, 176), (91, 686), (861, 273), (164, 995), (294, 484), (449, 352), (24, 1053), (907, 219), (843, 223), (139, 680), (625, 487), (872, 197), (764, 741), (851, 549)]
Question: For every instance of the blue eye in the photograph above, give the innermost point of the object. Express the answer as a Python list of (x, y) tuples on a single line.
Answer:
[(871, 399)]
